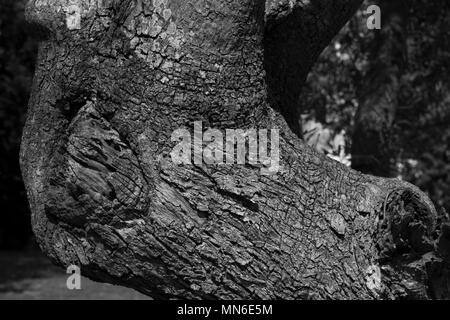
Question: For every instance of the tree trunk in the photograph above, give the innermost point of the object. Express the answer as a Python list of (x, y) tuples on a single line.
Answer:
[(105, 195)]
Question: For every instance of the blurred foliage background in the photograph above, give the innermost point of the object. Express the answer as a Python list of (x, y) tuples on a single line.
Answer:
[(386, 93), (377, 100)]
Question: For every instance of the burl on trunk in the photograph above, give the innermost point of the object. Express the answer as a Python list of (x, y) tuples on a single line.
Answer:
[(116, 78)]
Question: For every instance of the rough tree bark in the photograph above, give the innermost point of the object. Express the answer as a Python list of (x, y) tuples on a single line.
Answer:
[(104, 194)]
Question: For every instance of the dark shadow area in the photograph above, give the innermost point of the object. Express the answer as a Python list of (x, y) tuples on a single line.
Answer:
[(18, 49), (28, 274)]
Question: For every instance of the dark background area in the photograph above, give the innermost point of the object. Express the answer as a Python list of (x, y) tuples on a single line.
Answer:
[(409, 58), (18, 49), (408, 61)]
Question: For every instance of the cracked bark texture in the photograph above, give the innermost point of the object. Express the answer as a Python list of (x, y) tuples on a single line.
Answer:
[(105, 195)]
